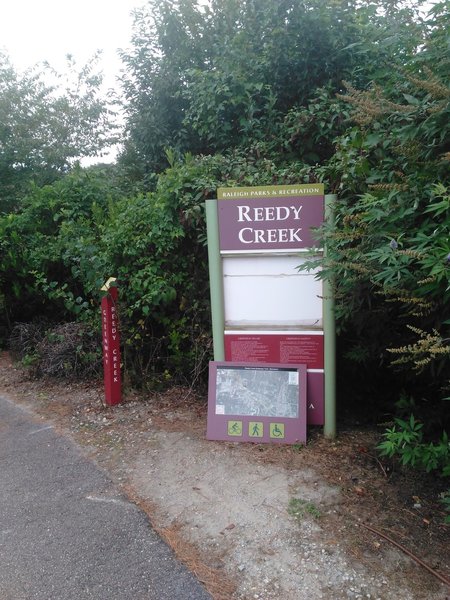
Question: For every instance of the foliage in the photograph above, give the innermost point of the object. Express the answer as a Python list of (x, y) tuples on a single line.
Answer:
[(46, 123), (69, 237), (24, 339), (405, 440), (66, 350), (298, 508), (389, 255), (207, 77), (48, 263)]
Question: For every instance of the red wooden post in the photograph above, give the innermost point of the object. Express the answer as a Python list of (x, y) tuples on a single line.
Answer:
[(111, 347)]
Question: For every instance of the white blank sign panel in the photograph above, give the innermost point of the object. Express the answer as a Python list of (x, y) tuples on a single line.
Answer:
[(270, 291)]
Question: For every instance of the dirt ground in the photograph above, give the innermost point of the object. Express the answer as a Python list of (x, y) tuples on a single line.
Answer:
[(252, 521)]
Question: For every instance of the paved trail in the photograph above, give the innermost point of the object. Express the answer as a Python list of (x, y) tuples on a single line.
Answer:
[(67, 533)]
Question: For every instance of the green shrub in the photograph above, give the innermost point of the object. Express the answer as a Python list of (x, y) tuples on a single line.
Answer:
[(406, 441), (69, 350)]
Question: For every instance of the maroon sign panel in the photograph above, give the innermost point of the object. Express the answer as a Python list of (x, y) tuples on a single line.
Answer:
[(276, 223), (111, 347), (290, 348), (276, 348)]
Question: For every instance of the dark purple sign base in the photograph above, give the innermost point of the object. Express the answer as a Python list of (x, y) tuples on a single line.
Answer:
[(316, 398)]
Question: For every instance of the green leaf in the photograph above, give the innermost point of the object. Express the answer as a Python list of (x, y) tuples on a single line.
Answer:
[(411, 99)]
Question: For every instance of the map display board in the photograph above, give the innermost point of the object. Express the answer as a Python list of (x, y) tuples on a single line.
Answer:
[(257, 402)]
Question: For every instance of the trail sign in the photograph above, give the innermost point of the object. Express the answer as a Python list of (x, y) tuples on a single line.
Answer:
[(111, 344), (265, 308)]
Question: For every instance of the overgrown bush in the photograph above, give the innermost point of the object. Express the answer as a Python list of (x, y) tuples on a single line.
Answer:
[(69, 350), (24, 340), (389, 254), (68, 238), (209, 77)]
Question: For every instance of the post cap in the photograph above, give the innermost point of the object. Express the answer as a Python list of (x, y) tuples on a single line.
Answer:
[(108, 283)]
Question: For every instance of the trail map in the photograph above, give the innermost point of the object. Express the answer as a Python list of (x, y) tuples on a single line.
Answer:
[(263, 392)]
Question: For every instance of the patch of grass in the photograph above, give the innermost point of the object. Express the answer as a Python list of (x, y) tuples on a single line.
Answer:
[(29, 360), (299, 508), (297, 447)]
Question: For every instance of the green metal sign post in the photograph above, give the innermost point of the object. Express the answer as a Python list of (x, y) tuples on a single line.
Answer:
[(329, 329), (215, 280)]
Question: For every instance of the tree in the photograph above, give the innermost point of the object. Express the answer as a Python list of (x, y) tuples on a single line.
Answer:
[(204, 78), (47, 123)]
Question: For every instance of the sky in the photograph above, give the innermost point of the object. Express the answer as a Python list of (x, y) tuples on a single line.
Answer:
[(35, 30), (32, 31)]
